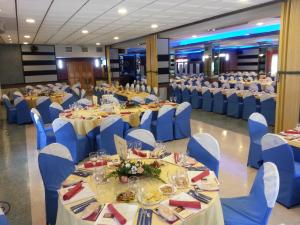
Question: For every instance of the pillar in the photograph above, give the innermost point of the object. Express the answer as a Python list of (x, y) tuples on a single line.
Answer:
[(288, 84), (207, 60), (112, 63)]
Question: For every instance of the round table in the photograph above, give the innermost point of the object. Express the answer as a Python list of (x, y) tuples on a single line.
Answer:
[(211, 214)]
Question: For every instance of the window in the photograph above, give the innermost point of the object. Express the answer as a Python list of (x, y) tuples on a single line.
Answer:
[(274, 64), (68, 49)]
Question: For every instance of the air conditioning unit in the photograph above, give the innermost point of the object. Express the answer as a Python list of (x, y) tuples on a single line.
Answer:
[(2, 27)]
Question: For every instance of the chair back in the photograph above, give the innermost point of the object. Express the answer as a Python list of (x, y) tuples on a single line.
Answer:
[(138, 100), (23, 112), (184, 108), (257, 126), (84, 102), (144, 136), (37, 119), (215, 84), (42, 105), (151, 98), (68, 100), (54, 110), (164, 110), (64, 133), (17, 94), (146, 120), (205, 149)]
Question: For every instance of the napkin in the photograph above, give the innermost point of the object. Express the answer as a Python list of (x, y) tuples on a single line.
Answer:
[(292, 132), (200, 176), (122, 220), (189, 204), (124, 113), (139, 153), (92, 165), (73, 191), (85, 193)]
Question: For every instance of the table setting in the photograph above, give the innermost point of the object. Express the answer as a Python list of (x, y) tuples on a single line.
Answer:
[(292, 136)]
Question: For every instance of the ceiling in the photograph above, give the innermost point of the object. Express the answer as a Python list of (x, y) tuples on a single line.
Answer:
[(61, 21)]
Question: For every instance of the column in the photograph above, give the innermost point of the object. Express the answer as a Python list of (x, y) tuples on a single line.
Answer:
[(112, 63), (207, 60), (288, 85)]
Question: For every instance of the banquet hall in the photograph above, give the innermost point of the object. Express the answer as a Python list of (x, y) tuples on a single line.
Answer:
[(150, 112)]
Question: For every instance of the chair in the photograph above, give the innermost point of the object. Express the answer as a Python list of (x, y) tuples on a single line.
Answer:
[(256, 208), (66, 88), (196, 99), (234, 105), (76, 93), (219, 102), (258, 127), (146, 120), (207, 100), (110, 126), (44, 135), (267, 108), (83, 93), (177, 94), (138, 100), (42, 105), (84, 102), (54, 156), (55, 109), (275, 149), (144, 136), (3, 219), (66, 135), (250, 105), (11, 112), (23, 112), (17, 94), (162, 128), (68, 100), (151, 98), (182, 126), (186, 95), (205, 149)]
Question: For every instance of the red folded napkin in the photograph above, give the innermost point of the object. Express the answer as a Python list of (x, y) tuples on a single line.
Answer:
[(200, 176), (188, 204), (139, 153), (124, 113), (292, 132), (73, 191), (122, 220), (68, 114), (93, 216), (97, 164)]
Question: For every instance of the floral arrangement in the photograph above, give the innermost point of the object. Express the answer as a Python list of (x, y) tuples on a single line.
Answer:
[(136, 168)]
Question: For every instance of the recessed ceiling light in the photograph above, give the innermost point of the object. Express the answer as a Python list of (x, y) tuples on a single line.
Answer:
[(84, 31), (122, 11), (29, 20), (116, 38), (98, 43), (259, 24), (194, 36), (247, 34), (25, 43), (26, 36), (154, 26), (8, 36)]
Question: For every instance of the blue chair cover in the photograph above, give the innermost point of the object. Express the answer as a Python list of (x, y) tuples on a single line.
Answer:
[(55, 164), (66, 135), (44, 136), (54, 110), (258, 127), (182, 126), (219, 103), (91, 135), (249, 106), (76, 93), (207, 100), (84, 102), (162, 127), (144, 136), (205, 149), (267, 108), (186, 95), (151, 98), (276, 149), (68, 100), (234, 105), (3, 219), (17, 94), (256, 208), (42, 105), (196, 99), (146, 120), (178, 95), (11, 112), (110, 126), (23, 112)]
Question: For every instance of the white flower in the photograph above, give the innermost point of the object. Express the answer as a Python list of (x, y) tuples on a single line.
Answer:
[(133, 170), (127, 165)]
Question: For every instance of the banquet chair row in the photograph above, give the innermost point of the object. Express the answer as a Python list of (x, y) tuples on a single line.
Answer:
[(11, 112)]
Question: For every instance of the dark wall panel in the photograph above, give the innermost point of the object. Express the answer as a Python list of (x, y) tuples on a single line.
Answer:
[(11, 71)]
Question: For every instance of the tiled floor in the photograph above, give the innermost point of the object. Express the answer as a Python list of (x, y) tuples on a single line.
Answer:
[(21, 185)]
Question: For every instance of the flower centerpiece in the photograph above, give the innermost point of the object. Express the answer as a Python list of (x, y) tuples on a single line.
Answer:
[(136, 168)]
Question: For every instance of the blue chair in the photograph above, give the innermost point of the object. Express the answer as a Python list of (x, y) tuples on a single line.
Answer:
[(66, 135), (138, 100), (146, 120), (258, 127), (3, 219), (54, 156), (11, 112), (219, 103), (110, 126), (196, 99), (144, 136), (186, 95), (55, 109), (267, 108), (66, 88), (205, 149), (234, 105), (182, 126), (84, 102), (23, 112), (250, 105), (76, 93), (91, 135), (17, 94), (162, 128), (151, 98), (177, 94), (68, 100), (256, 208), (207, 100), (275, 149), (42, 105), (44, 135)]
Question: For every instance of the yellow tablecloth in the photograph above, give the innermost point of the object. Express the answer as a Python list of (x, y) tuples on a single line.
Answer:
[(31, 99), (106, 193)]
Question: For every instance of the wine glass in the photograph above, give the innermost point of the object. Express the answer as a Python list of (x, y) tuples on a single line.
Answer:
[(138, 145), (101, 154), (93, 156), (132, 184)]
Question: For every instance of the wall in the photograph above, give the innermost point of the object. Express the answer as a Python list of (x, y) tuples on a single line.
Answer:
[(60, 51), (10, 65)]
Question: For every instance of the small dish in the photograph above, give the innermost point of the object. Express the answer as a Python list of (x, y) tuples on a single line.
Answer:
[(167, 189)]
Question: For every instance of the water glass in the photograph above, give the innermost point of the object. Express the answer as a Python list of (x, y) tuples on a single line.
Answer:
[(101, 153), (93, 156), (138, 145), (99, 175), (133, 184)]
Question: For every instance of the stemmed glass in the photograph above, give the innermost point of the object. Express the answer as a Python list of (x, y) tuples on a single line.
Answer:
[(138, 145), (93, 156), (130, 147)]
